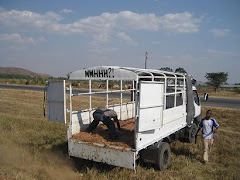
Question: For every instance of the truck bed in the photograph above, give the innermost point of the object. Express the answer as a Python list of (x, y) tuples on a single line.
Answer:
[(100, 135)]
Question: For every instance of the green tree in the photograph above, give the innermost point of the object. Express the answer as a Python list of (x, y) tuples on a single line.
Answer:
[(181, 70), (166, 69), (216, 79)]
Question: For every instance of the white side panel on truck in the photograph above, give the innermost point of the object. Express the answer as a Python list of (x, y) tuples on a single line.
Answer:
[(151, 105), (146, 138)]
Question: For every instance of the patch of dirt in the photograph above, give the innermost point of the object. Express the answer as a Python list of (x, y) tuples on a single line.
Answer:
[(100, 135)]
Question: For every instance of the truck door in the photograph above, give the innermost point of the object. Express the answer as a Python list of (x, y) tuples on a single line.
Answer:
[(56, 101), (150, 105), (197, 104)]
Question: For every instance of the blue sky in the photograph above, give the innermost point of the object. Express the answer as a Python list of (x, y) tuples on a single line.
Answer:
[(56, 37)]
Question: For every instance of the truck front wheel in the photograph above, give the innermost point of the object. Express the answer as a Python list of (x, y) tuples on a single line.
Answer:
[(163, 158)]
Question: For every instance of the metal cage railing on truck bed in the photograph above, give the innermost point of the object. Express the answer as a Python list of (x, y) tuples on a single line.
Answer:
[(174, 83)]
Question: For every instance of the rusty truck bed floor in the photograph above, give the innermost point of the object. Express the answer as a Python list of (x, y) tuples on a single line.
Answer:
[(100, 135)]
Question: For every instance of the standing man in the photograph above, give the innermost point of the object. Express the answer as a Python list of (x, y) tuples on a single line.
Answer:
[(207, 124), (106, 116)]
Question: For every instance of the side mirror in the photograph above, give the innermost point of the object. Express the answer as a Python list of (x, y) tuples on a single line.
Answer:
[(205, 96)]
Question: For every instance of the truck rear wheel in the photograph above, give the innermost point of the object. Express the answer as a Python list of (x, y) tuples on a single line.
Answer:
[(163, 158)]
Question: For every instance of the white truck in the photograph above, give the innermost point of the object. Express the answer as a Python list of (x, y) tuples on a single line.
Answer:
[(164, 106)]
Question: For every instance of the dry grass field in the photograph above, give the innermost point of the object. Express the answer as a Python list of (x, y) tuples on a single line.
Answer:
[(33, 148)]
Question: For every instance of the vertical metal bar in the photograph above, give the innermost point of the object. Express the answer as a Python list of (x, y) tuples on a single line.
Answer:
[(165, 96), (90, 100), (107, 94), (70, 100), (133, 94), (70, 107), (184, 90), (121, 100), (133, 98), (137, 108), (175, 95), (64, 100)]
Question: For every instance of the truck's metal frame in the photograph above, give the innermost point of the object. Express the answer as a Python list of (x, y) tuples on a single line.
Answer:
[(170, 123), (149, 74)]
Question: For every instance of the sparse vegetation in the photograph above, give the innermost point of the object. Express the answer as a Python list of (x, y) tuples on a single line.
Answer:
[(216, 79), (166, 69), (33, 148), (236, 90), (25, 79), (222, 92), (180, 70)]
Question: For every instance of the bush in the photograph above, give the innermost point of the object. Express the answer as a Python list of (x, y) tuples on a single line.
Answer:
[(14, 76), (14, 81), (236, 90), (27, 82)]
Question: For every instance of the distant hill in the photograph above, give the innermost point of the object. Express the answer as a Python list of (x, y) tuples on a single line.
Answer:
[(21, 71)]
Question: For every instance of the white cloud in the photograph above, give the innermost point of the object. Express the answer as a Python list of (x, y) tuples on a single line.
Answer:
[(180, 22), (101, 38), (96, 45), (24, 19), (18, 39), (219, 32), (66, 11), (100, 28), (124, 20), (134, 21), (219, 53), (126, 38)]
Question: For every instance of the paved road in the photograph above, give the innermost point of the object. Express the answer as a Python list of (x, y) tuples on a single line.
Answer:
[(214, 102), (221, 102)]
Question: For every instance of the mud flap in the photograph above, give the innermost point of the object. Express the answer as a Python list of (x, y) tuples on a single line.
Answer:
[(190, 106)]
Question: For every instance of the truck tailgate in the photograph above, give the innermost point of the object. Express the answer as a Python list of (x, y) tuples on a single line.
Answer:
[(100, 153)]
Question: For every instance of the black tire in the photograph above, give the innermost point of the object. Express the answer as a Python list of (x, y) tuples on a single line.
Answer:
[(163, 158), (191, 133)]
